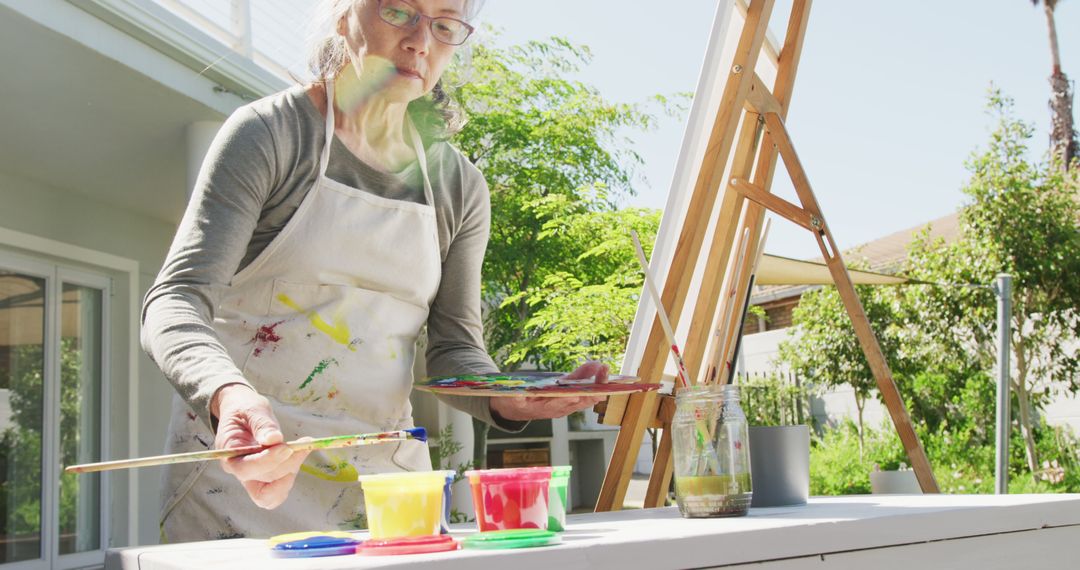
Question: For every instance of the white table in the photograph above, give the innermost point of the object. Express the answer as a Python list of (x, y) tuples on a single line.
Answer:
[(912, 532)]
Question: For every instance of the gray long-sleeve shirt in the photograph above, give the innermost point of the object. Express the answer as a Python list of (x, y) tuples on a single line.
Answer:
[(259, 168)]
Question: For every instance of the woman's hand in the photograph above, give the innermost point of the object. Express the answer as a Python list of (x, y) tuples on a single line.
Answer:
[(539, 408), (245, 418)]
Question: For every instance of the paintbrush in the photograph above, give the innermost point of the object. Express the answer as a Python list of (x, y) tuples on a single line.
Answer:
[(704, 435), (332, 442), (718, 347), (746, 302), (680, 366)]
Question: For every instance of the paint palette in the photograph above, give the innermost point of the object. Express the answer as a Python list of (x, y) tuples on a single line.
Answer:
[(531, 383)]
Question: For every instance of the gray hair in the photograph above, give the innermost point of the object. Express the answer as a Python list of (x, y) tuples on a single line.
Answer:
[(436, 115)]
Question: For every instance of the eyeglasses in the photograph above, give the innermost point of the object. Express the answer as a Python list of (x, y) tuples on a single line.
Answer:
[(401, 14)]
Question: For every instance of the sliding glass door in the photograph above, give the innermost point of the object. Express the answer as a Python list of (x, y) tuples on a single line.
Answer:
[(23, 331), (53, 373)]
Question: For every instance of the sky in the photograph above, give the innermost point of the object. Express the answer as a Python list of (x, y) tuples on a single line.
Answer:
[(889, 102)]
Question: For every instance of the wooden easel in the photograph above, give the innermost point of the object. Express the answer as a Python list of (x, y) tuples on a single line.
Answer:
[(747, 108)]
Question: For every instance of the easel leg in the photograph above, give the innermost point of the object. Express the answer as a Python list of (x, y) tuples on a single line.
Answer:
[(660, 478), (640, 410), (886, 385)]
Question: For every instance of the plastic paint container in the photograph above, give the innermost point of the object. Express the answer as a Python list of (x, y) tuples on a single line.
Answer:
[(516, 538), (444, 526), (404, 504), (411, 545), (510, 498), (558, 493)]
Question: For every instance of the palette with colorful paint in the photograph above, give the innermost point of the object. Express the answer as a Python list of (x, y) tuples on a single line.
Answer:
[(531, 383)]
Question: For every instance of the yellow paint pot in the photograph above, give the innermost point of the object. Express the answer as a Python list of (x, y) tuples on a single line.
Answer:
[(404, 504)]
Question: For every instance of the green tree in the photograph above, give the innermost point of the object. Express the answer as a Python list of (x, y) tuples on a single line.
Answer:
[(556, 159), (1021, 220), (823, 348), (940, 340), (557, 162), (576, 318)]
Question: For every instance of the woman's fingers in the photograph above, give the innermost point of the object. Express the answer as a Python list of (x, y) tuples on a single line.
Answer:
[(268, 477), (560, 407), (245, 419), (576, 404), (262, 466), (270, 495), (590, 369), (539, 408), (264, 427)]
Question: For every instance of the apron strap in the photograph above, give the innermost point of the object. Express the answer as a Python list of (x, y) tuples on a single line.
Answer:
[(414, 135), (324, 158), (418, 148)]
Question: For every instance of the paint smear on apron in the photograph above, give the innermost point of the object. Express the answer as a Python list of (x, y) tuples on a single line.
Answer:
[(319, 368), (338, 470), (339, 331), (265, 338)]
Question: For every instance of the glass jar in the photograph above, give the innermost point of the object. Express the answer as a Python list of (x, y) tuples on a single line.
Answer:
[(711, 452)]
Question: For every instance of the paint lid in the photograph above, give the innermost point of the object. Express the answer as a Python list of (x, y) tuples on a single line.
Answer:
[(407, 545), (314, 546), (513, 538), (294, 536), (560, 471)]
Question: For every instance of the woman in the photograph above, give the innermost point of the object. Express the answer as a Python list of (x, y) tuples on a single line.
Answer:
[(329, 224)]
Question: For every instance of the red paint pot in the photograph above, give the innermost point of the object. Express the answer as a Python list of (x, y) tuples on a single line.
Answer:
[(510, 498)]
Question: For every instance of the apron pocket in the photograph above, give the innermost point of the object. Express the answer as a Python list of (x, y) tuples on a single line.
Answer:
[(336, 350)]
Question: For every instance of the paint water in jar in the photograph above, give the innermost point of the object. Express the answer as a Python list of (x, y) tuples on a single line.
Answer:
[(711, 452)]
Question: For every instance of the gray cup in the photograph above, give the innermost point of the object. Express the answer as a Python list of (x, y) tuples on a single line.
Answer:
[(780, 465)]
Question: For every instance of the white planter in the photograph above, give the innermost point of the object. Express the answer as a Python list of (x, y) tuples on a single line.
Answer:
[(901, 482)]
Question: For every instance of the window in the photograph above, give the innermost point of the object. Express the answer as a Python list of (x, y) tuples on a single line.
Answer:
[(52, 389)]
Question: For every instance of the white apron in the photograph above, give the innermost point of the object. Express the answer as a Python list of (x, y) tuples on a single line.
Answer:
[(324, 323)]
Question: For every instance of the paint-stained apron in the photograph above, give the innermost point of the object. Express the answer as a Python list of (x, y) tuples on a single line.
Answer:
[(324, 323)]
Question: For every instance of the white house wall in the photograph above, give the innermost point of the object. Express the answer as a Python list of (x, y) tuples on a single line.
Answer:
[(100, 132), (80, 223), (1065, 408)]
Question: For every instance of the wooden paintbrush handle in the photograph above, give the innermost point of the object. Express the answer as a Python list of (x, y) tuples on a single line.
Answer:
[(333, 442)]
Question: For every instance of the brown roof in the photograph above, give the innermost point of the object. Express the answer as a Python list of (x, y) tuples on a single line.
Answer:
[(884, 255)]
